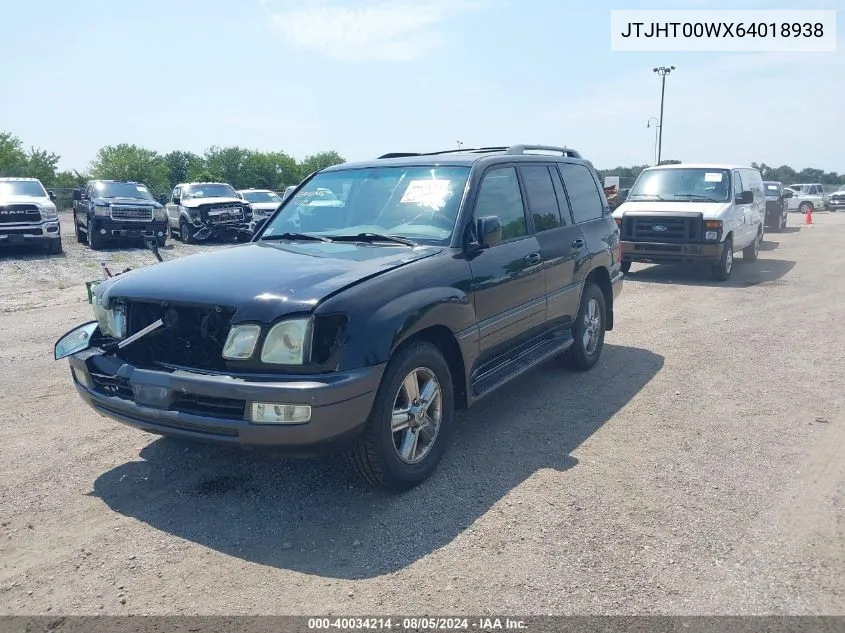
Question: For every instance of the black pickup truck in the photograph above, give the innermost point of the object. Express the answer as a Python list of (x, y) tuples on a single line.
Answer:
[(117, 210), (359, 321)]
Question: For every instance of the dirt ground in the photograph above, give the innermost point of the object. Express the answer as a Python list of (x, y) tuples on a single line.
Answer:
[(698, 469)]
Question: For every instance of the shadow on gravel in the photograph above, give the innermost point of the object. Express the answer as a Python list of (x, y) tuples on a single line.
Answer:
[(744, 274), (312, 517), (28, 254)]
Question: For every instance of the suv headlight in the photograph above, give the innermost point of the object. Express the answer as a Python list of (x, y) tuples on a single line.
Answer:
[(159, 213), (286, 342), (101, 209), (240, 344), (112, 322)]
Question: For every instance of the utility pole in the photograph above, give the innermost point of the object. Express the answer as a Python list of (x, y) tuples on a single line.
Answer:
[(662, 71)]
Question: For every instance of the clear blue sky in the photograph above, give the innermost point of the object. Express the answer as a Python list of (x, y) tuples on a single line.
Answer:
[(365, 77)]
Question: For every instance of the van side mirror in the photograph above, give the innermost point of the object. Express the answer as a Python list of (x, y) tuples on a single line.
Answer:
[(488, 229), (77, 194), (746, 197)]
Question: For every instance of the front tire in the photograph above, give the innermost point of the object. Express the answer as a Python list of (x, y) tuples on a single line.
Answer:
[(95, 240), (162, 240), (723, 268), (55, 247), (588, 331), (804, 207), (626, 267), (186, 232), (411, 421), (80, 235)]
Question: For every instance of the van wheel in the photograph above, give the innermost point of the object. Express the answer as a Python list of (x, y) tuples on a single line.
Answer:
[(626, 267), (722, 269), (411, 421), (588, 331), (752, 251)]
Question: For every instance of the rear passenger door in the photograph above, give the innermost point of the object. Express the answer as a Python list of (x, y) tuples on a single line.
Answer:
[(508, 286), (560, 240)]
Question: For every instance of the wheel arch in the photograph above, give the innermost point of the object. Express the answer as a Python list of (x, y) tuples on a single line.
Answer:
[(601, 277)]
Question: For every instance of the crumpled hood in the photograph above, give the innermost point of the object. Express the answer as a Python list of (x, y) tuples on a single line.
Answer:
[(674, 206), (261, 280), (39, 200), (196, 202)]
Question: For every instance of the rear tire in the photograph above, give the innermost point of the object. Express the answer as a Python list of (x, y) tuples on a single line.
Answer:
[(751, 252), (723, 268), (588, 331), (377, 457)]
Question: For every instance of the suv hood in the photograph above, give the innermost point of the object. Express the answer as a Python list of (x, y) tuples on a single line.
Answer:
[(675, 206), (39, 200), (262, 281), (195, 202), (140, 202)]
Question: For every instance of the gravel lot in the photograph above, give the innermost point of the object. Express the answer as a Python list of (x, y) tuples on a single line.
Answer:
[(696, 470)]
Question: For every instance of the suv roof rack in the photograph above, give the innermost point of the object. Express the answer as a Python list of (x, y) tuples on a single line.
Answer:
[(517, 150)]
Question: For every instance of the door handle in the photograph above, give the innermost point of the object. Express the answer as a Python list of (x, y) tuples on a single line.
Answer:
[(533, 259), (579, 243)]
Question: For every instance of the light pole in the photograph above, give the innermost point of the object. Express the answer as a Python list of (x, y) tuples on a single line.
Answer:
[(662, 71), (460, 144), (656, 127)]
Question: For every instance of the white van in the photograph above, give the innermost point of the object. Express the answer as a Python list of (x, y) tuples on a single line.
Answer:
[(691, 212)]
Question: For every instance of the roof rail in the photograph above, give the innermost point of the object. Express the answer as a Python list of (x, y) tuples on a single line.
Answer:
[(564, 151), (512, 149)]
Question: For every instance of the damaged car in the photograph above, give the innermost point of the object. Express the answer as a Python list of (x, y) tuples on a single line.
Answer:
[(200, 211), (379, 298)]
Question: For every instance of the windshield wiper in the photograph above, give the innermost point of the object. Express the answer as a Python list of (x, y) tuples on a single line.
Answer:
[(374, 237), (697, 196), (295, 236)]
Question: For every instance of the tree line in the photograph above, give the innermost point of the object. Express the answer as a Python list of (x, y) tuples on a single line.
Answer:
[(785, 174), (244, 168)]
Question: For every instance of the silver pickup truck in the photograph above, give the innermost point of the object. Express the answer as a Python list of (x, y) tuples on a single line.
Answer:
[(806, 197), (28, 214)]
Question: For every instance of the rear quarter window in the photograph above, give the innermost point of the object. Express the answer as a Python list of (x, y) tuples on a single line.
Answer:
[(583, 194)]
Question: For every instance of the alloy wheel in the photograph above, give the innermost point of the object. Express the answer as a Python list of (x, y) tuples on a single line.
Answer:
[(417, 413)]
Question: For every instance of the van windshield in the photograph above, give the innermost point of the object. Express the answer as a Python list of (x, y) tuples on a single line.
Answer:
[(701, 185)]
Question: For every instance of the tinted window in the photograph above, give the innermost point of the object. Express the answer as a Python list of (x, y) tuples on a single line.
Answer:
[(542, 201), (582, 191), (121, 190), (499, 195), (737, 184)]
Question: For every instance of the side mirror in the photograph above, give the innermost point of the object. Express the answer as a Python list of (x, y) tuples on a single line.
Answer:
[(259, 224), (75, 341), (52, 195), (746, 197), (787, 193), (488, 230), (77, 194), (162, 199)]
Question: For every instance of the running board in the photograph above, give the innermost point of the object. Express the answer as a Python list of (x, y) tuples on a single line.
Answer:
[(528, 359)]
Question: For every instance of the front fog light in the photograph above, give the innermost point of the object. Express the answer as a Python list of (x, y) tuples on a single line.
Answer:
[(270, 413), (711, 235), (240, 344)]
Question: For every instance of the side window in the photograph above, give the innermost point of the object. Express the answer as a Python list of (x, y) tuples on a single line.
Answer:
[(737, 184), (582, 192), (175, 196), (499, 195), (542, 201)]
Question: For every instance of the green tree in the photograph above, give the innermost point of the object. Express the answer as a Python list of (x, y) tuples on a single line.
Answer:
[(42, 164), (227, 164), (315, 162), (270, 170), (130, 162), (68, 179), (13, 160), (181, 166)]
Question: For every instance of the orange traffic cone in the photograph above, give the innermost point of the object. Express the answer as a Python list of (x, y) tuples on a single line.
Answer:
[(808, 219)]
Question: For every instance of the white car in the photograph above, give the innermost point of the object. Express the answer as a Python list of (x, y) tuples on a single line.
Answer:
[(805, 197), (263, 201), (28, 214)]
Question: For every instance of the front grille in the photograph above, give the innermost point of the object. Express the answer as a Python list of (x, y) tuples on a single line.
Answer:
[(12, 213), (675, 228), (191, 404), (193, 336), (222, 213), (137, 214), (837, 198)]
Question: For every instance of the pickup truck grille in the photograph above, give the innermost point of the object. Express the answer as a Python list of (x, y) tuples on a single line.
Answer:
[(657, 228), (12, 213), (134, 214), (194, 337), (838, 198)]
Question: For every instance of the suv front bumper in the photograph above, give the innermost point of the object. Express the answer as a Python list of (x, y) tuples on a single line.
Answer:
[(30, 234), (114, 229), (665, 253), (205, 407)]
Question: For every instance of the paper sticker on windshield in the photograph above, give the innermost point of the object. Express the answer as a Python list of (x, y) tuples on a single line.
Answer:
[(141, 188), (713, 177), (426, 191)]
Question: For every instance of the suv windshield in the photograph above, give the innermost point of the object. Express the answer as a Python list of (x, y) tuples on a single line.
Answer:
[(208, 191), (121, 190), (10, 188), (260, 196), (701, 185), (418, 202)]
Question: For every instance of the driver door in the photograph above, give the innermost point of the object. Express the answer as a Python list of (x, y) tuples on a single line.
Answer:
[(172, 208)]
